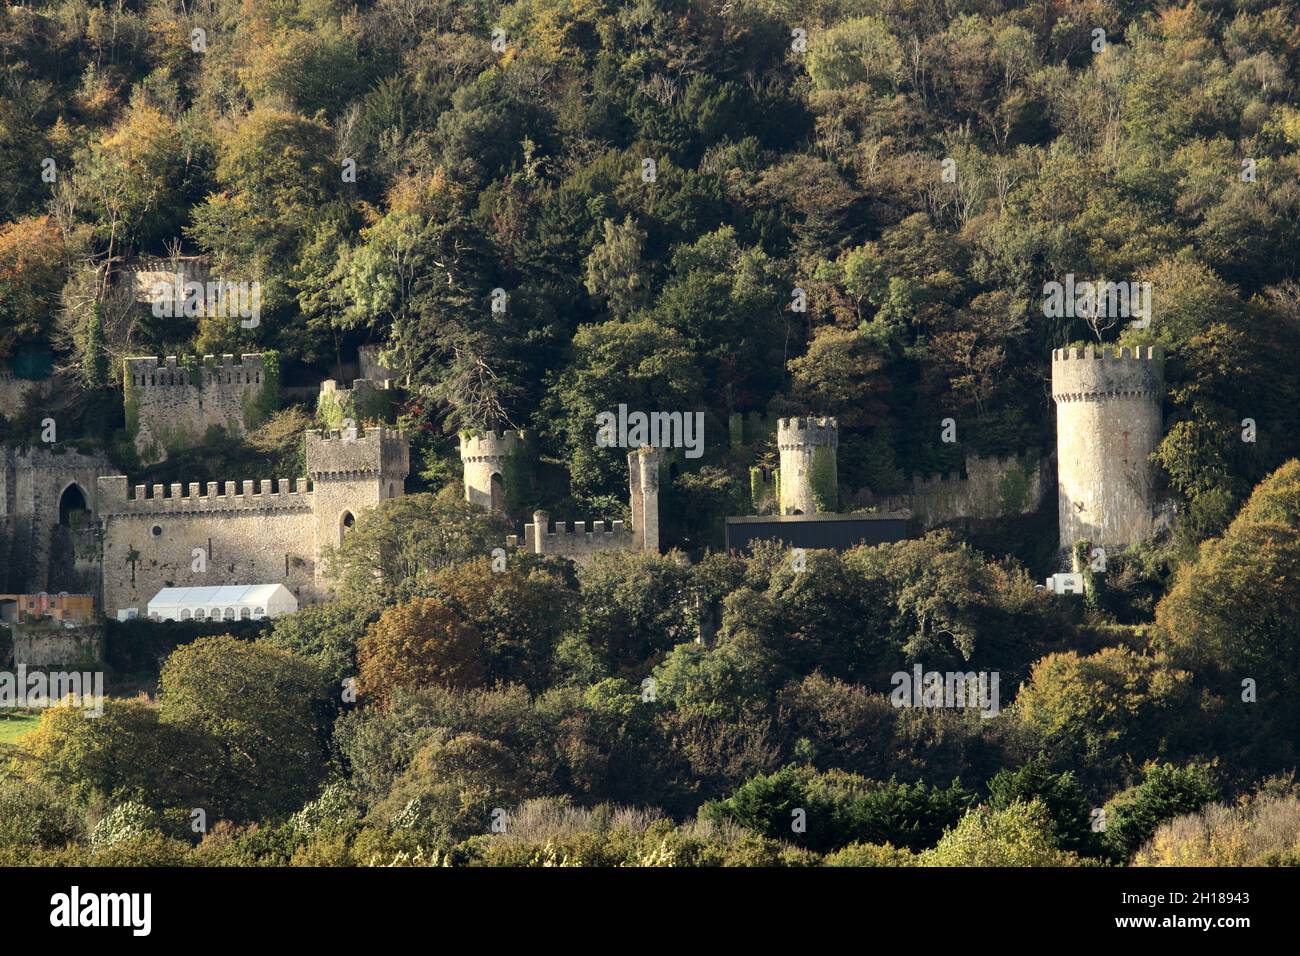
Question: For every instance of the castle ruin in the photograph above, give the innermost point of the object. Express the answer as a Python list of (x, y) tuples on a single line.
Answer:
[(171, 404)]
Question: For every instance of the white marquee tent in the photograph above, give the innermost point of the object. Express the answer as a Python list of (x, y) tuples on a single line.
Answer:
[(236, 602)]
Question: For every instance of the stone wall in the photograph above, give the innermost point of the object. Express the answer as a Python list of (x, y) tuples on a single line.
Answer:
[(53, 645), (157, 280), (991, 488), (263, 532), (32, 482), (253, 533), (370, 368), (16, 392), (170, 404), (365, 401), (578, 544)]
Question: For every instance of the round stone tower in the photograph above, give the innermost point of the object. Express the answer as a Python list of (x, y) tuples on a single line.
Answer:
[(484, 460), (808, 481), (1108, 422)]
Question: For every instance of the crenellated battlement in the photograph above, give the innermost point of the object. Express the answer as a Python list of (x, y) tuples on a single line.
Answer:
[(1094, 373), (975, 467), (490, 446), (116, 498), (149, 371), (801, 432), (350, 453), (538, 538)]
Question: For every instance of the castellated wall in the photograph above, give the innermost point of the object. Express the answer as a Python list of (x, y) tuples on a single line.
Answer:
[(808, 448), (578, 544), (170, 406), (992, 488), (32, 483), (1108, 422), (251, 532)]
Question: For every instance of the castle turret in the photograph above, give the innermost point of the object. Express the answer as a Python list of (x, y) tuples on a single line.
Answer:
[(808, 479), (484, 460), (1108, 422), (643, 487), (352, 472)]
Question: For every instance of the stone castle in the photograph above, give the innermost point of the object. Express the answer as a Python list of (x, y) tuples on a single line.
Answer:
[(488, 461), (259, 532), (67, 522)]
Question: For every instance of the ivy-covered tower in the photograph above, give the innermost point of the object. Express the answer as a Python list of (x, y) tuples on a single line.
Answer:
[(808, 479)]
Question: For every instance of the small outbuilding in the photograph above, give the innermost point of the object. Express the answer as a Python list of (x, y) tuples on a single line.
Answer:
[(236, 602)]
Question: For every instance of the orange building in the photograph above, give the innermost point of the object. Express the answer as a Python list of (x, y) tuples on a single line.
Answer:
[(79, 608)]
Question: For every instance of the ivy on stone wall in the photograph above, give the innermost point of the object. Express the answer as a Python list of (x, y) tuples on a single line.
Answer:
[(1014, 486), (330, 410), (517, 477), (261, 404), (821, 480), (131, 405)]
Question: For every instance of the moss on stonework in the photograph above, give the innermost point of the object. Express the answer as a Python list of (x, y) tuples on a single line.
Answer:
[(261, 404), (821, 479), (131, 405), (1014, 488)]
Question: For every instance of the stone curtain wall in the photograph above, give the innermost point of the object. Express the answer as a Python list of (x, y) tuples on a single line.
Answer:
[(249, 534), (32, 480), (170, 404), (993, 488)]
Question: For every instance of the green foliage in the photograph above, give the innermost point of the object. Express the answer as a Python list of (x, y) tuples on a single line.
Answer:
[(1062, 798), (1019, 834), (393, 545), (822, 480), (826, 812), (1165, 792), (262, 404), (263, 752)]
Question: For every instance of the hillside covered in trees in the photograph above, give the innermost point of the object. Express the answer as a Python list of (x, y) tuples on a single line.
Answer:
[(758, 208)]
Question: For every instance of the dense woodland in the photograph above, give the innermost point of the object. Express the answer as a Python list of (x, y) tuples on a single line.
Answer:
[(501, 717)]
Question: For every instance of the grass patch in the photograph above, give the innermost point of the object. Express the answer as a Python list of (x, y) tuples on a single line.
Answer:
[(13, 724)]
